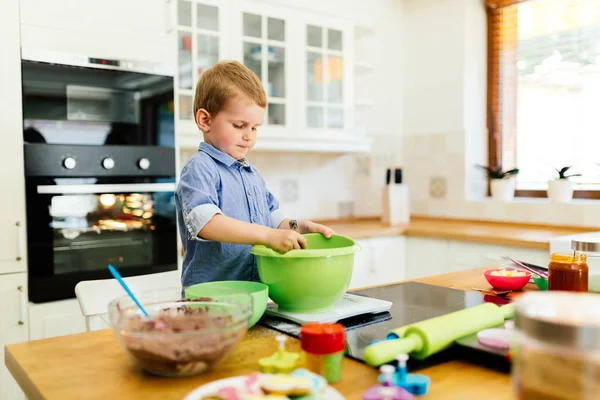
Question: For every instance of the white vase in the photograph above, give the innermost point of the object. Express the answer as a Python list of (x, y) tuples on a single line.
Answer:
[(560, 191), (503, 189)]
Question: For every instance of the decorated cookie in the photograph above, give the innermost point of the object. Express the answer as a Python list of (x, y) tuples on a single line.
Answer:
[(286, 385), (318, 382)]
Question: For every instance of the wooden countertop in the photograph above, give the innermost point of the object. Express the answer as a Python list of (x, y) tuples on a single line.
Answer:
[(92, 366), (488, 232)]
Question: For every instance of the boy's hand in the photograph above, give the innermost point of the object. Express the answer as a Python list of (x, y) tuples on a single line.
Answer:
[(283, 241), (311, 227)]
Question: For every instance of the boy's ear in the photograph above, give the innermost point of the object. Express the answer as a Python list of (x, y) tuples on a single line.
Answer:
[(203, 120)]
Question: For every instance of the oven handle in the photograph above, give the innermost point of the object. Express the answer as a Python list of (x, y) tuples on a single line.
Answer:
[(107, 188)]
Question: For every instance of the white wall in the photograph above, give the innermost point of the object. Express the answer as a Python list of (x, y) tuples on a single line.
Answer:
[(433, 70), (445, 132)]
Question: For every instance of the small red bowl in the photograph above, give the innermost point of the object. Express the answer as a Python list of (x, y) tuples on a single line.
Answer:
[(507, 282)]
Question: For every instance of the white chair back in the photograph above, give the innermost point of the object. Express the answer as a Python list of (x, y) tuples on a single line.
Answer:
[(94, 296)]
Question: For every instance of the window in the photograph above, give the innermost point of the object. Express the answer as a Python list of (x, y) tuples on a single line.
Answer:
[(544, 91)]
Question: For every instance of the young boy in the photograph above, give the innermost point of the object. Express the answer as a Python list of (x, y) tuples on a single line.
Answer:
[(223, 204)]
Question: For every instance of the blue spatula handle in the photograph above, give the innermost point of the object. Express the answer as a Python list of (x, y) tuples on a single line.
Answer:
[(117, 276)]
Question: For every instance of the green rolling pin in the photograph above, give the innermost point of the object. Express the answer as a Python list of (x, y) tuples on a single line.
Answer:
[(428, 337)]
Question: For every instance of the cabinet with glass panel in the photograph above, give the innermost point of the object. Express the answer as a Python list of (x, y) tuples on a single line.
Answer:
[(303, 60), (325, 78), (264, 51), (201, 41)]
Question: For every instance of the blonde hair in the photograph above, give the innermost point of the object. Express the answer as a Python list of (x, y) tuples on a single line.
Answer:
[(225, 80)]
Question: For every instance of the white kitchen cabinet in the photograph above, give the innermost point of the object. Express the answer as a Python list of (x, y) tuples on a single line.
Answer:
[(13, 327), (13, 250), (389, 257), (139, 30), (362, 265), (430, 256), (56, 318), (381, 261), (467, 255), (304, 60), (425, 257)]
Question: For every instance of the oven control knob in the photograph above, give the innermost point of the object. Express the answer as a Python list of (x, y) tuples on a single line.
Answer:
[(69, 163), (108, 163), (144, 163)]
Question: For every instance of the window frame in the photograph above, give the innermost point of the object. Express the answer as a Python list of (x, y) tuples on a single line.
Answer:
[(493, 94)]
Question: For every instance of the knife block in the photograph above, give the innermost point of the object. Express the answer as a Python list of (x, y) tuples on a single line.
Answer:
[(396, 204)]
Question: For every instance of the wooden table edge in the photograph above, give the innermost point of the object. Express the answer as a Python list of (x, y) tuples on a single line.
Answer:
[(16, 370)]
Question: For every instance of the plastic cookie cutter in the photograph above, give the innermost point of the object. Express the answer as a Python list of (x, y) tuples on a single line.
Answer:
[(416, 384), (387, 390), (282, 362)]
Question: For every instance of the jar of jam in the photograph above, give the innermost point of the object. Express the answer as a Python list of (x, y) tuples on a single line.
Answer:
[(568, 272)]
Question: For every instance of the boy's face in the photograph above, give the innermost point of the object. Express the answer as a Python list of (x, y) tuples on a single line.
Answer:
[(233, 129)]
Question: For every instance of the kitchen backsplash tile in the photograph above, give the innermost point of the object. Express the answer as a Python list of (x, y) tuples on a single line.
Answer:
[(446, 155), (313, 185), (438, 208), (437, 187), (591, 215), (419, 206)]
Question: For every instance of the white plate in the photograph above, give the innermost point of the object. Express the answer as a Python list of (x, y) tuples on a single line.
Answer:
[(238, 381)]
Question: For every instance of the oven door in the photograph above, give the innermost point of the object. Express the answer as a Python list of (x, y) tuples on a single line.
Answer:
[(77, 227)]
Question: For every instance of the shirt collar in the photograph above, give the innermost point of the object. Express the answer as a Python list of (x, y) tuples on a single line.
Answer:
[(222, 157)]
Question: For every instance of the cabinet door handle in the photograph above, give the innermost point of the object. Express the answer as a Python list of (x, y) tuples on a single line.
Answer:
[(23, 299), (170, 15), (20, 238)]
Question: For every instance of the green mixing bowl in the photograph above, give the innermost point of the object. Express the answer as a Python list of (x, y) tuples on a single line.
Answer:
[(311, 279), (540, 282), (258, 291)]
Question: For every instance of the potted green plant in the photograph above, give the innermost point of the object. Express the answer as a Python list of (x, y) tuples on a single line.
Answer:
[(502, 183), (560, 189)]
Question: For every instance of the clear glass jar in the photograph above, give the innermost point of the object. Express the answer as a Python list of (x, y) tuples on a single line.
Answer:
[(589, 245), (557, 354)]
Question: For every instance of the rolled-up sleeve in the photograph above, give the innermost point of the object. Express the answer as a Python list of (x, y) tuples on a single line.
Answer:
[(198, 196), (277, 216)]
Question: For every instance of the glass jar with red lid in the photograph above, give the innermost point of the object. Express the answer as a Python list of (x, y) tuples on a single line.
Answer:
[(324, 346)]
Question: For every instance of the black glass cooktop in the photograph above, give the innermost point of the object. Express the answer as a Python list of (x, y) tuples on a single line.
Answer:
[(411, 302)]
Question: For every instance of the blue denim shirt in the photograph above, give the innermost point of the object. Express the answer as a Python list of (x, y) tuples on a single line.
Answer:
[(213, 182)]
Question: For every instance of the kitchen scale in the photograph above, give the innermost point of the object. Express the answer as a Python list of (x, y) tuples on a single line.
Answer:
[(350, 305)]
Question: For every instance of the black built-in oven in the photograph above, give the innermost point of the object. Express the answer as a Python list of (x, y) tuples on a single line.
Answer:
[(100, 174)]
